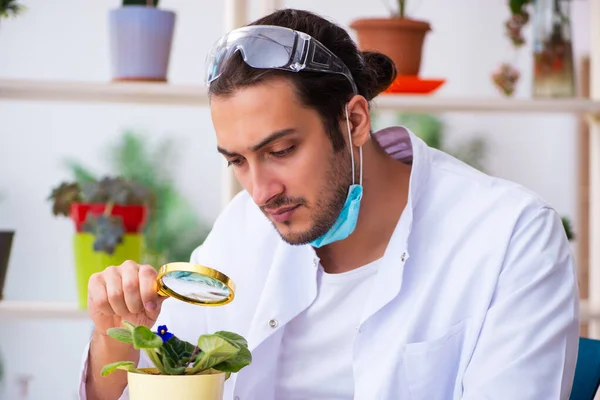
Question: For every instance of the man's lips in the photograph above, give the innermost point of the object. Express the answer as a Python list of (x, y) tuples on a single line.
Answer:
[(282, 214)]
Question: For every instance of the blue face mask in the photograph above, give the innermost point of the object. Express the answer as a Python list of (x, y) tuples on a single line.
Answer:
[(345, 223)]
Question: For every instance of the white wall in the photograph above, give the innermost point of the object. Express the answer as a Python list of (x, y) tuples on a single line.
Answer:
[(67, 40)]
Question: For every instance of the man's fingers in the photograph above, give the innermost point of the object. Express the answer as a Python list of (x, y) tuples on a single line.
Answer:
[(114, 291), (97, 294), (148, 290), (131, 289)]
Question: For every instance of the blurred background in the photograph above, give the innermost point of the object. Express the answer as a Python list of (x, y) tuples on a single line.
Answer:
[(170, 148)]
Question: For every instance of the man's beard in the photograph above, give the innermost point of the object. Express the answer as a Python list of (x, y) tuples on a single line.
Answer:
[(329, 203)]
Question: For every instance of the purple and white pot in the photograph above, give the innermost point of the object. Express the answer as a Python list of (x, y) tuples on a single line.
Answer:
[(140, 43)]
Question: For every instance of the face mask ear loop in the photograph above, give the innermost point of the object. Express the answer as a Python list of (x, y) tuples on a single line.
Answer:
[(352, 152), (360, 152)]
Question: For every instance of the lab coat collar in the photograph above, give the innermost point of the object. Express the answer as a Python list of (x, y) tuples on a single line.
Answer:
[(291, 285)]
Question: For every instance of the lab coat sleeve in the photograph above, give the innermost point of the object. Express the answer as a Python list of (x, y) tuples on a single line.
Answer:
[(527, 347)]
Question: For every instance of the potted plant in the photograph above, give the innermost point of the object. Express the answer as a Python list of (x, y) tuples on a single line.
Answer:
[(10, 8), (399, 37), (141, 37), (109, 216), (173, 229), (182, 370), (553, 66)]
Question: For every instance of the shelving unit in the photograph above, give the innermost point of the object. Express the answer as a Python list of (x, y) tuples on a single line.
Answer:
[(196, 95), (40, 310)]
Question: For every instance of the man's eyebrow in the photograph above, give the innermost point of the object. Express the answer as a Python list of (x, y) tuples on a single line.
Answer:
[(269, 139), (272, 137)]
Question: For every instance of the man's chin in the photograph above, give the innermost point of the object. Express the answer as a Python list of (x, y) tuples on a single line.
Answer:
[(295, 238)]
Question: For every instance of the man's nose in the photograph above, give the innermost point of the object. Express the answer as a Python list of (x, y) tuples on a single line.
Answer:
[(264, 185)]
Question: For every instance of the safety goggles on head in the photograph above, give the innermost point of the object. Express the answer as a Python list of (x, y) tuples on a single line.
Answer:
[(274, 47)]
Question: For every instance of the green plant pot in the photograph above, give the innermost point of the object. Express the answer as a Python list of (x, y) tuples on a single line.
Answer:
[(88, 261)]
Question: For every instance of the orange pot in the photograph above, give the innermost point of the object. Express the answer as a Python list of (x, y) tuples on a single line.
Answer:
[(401, 39)]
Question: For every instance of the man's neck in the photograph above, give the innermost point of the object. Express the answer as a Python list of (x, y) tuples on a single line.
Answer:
[(385, 193)]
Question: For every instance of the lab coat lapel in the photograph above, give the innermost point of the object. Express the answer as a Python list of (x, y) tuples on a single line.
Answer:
[(404, 146), (290, 288)]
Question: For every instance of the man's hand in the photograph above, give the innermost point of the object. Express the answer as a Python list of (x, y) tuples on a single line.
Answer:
[(127, 292)]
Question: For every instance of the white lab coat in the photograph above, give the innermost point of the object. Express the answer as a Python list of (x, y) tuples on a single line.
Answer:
[(479, 302)]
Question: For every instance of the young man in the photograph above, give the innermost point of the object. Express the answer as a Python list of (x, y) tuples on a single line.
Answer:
[(368, 265)]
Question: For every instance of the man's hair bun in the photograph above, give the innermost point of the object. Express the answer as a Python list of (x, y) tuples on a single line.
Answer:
[(378, 74)]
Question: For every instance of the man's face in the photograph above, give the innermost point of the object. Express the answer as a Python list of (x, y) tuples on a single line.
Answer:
[(282, 156)]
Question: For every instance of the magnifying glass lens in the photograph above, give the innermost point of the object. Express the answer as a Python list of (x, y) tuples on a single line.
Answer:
[(195, 284)]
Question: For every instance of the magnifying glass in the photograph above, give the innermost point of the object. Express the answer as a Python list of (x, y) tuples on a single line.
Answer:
[(195, 284)]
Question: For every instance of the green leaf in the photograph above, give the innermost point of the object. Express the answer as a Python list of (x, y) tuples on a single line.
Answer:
[(233, 338), (241, 360), (144, 338), (129, 326), (80, 172), (153, 3), (215, 350), (516, 6), (124, 365), (171, 368), (121, 334), (243, 357), (155, 356), (178, 351)]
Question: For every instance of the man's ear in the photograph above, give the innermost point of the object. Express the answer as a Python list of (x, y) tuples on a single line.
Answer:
[(360, 120)]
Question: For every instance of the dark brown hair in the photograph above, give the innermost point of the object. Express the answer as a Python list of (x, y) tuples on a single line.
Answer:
[(325, 92)]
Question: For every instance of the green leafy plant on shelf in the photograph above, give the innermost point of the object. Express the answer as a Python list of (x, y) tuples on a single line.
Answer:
[(148, 3), (222, 351), (173, 229), (108, 229), (11, 8), (566, 222)]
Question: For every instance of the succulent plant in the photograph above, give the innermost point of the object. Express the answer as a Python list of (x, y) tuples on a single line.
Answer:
[(108, 229), (64, 195)]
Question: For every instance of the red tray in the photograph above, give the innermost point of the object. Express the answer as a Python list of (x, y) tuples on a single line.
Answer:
[(414, 84)]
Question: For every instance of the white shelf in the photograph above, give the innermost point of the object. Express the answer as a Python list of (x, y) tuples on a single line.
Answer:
[(50, 310), (439, 104), (196, 95), (40, 310), (104, 92)]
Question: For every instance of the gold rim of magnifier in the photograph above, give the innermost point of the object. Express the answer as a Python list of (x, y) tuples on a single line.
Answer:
[(199, 269)]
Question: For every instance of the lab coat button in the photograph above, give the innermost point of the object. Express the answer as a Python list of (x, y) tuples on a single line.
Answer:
[(273, 323), (315, 262), (403, 257)]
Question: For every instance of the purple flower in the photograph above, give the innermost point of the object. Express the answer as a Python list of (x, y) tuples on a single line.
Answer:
[(164, 333)]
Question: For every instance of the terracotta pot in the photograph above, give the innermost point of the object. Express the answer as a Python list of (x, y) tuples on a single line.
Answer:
[(401, 39), (206, 386)]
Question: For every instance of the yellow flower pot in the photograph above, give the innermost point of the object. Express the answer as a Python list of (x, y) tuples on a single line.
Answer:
[(206, 386)]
